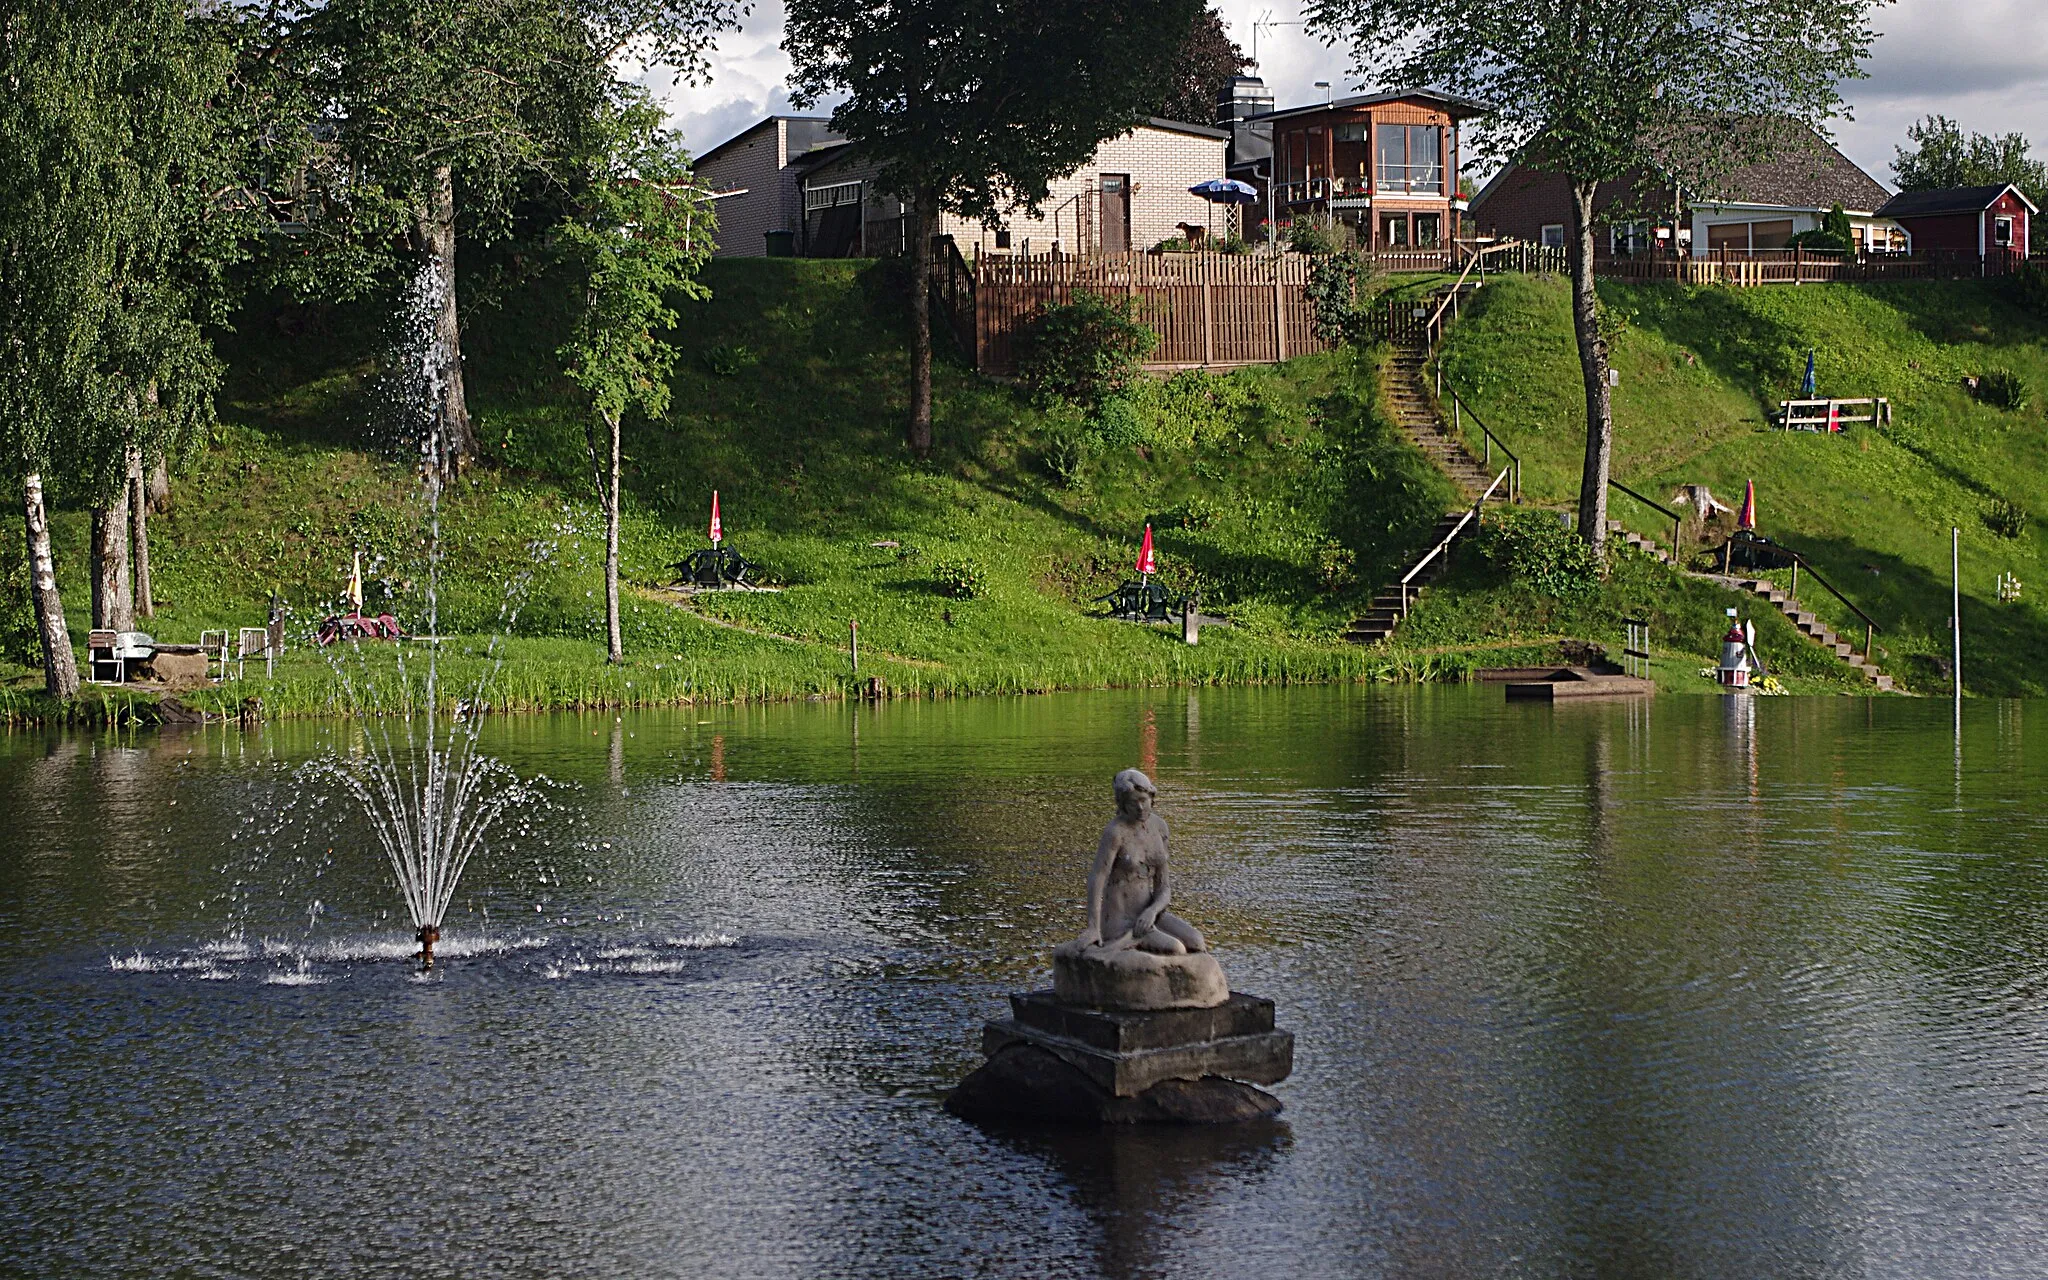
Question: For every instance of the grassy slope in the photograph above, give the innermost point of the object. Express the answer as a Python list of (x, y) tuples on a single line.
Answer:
[(789, 401), (1872, 508)]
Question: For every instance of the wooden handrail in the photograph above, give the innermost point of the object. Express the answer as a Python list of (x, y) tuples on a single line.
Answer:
[(1459, 410), (1799, 561), (1442, 548)]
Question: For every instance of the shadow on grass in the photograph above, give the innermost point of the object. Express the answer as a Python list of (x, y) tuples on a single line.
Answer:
[(1758, 354)]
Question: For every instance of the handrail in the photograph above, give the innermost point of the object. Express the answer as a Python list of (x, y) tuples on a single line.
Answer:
[(1458, 411), (1799, 560), (1677, 521), (1443, 547)]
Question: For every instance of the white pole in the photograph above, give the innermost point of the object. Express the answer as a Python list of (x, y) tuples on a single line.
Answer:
[(1955, 621)]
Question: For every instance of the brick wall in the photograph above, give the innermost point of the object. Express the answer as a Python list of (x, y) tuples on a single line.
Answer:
[(1161, 163), (754, 161)]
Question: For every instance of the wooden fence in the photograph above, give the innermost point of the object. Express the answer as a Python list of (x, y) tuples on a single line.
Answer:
[(1207, 308), (1750, 267)]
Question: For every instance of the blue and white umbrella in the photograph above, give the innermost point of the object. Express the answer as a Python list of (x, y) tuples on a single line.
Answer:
[(1225, 191)]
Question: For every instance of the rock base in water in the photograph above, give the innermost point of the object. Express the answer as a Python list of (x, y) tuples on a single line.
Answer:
[(1026, 1085), (1059, 1063)]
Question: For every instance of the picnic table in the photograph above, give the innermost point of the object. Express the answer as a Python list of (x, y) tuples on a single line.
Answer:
[(355, 626), (712, 567), (1141, 602)]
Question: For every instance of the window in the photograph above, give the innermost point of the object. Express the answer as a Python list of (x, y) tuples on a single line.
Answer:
[(1553, 236), (1429, 231), (1002, 237), (1394, 230), (1410, 158), (1350, 133), (2001, 231)]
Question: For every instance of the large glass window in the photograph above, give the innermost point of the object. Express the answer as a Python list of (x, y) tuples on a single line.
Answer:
[(1410, 158), (1429, 231), (1393, 231)]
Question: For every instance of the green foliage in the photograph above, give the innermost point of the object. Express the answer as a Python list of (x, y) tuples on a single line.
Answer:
[(1201, 71), (19, 640), (2002, 389), (1336, 295), (959, 578), (1173, 244), (2006, 518), (1234, 244), (1083, 350), (1835, 234), (1535, 550), (726, 359), (1307, 235), (1336, 566)]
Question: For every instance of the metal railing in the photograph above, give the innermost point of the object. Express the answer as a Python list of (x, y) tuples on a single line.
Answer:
[(1677, 521), (1443, 547), (1799, 560)]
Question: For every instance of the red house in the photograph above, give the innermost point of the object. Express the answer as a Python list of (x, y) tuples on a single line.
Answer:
[(1992, 222)]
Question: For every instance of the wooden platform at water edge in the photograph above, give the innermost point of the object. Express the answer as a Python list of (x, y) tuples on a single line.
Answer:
[(1560, 684)]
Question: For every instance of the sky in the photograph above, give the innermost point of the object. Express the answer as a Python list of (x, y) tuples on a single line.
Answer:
[(1981, 63)]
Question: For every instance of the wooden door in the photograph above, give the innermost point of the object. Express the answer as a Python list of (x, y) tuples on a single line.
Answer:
[(1116, 213)]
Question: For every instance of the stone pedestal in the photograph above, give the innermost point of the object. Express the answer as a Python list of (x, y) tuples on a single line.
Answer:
[(1134, 979), (1056, 1062)]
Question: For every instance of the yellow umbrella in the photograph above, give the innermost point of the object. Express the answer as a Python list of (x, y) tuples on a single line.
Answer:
[(355, 584)]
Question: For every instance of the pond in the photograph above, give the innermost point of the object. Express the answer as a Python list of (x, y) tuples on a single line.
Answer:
[(1697, 986)]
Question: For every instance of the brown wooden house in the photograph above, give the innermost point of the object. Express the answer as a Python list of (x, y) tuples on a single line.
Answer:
[(1386, 164), (1994, 222)]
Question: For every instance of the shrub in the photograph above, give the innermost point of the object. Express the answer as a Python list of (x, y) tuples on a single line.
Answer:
[(2002, 389), (1172, 244), (1083, 350), (960, 579), (1235, 244), (1834, 235), (20, 639), (1118, 422), (1310, 236), (2030, 287), (727, 359), (1065, 450), (2006, 518), (1333, 295), (1336, 565), (1532, 548)]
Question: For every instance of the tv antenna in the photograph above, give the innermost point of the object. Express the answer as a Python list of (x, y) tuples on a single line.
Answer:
[(1267, 21)]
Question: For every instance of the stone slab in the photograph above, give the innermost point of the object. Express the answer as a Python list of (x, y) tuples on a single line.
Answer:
[(1260, 1058), (1130, 1030), (1024, 1084)]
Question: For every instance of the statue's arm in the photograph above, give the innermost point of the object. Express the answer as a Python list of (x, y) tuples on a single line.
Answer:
[(1098, 882)]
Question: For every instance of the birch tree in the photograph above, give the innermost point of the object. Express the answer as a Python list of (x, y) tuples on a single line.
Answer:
[(638, 233), (1595, 90)]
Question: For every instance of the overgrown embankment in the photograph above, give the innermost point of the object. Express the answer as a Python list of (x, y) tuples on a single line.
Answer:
[(1702, 370)]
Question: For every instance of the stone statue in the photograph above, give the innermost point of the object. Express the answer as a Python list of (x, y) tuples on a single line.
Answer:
[(1135, 954)]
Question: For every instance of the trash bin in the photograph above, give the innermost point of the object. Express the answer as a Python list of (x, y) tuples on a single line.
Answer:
[(781, 244)]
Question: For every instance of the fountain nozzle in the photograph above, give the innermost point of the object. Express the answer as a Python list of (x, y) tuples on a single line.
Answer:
[(428, 935)]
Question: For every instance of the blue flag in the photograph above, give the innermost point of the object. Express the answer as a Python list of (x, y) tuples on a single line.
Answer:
[(1806, 387)]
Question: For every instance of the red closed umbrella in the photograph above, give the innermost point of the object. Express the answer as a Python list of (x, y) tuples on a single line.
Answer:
[(1147, 564), (717, 528), (1748, 518)]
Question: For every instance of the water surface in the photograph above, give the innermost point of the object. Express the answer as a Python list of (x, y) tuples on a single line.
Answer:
[(1699, 987)]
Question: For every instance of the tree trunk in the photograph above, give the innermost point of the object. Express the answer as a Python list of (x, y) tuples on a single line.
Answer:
[(113, 606), (160, 487), (60, 666), (615, 651), (138, 531), (434, 236), (920, 435), (1593, 367)]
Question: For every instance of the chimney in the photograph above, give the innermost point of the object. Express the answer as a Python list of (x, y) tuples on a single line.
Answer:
[(1244, 96)]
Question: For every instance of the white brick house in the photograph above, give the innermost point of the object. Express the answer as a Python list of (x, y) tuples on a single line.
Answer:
[(1132, 194), (755, 174)]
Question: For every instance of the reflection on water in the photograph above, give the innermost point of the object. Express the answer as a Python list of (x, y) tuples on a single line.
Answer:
[(1694, 987)]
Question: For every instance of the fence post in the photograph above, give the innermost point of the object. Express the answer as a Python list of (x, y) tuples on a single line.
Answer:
[(1279, 314), (1208, 319), (1798, 264)]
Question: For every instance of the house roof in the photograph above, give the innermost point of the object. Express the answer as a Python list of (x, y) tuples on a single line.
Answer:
[(838, 149), (820, 134), (1810, 173), (1457, 108), (1927, 204), (1182, 126)]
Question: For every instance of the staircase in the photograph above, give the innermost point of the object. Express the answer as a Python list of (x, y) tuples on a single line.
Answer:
[(1648, 546), (1822, 634), (1415, 414)]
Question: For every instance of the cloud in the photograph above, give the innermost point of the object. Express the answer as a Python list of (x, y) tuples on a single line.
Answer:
[(1979, 62)]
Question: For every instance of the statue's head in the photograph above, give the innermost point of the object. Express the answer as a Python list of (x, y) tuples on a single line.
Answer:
[(1134, 793)]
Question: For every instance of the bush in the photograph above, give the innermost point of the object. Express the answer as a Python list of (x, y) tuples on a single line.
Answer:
[(2006, 518), (1083, 350), (1234, 244), (2002, 389), (20, 639), (727, 359), (1310, 236), (1834, 235), (1534, 549), (1118, 423), (1333, 295), (960, 579), (1068, 445), (1336, 566), (1172, 244)]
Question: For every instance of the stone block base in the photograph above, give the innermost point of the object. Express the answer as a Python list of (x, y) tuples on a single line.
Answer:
[(1056, 1062)]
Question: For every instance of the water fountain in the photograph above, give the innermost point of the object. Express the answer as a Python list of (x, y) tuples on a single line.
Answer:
[(429, 794)]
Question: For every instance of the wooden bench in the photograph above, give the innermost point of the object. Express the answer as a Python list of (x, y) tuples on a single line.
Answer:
[(1832, 415)]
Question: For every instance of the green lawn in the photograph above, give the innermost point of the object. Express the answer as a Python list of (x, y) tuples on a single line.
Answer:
[(1700, 371), (1279, 493)]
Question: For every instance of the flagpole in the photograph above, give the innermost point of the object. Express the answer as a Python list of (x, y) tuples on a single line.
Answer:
[(1955, 617)]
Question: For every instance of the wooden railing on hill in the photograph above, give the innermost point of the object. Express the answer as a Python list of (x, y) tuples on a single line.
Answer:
[(1207, 308), (1751, 267)]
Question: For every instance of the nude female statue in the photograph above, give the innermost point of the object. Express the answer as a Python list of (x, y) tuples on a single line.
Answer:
[(1128, 891)]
